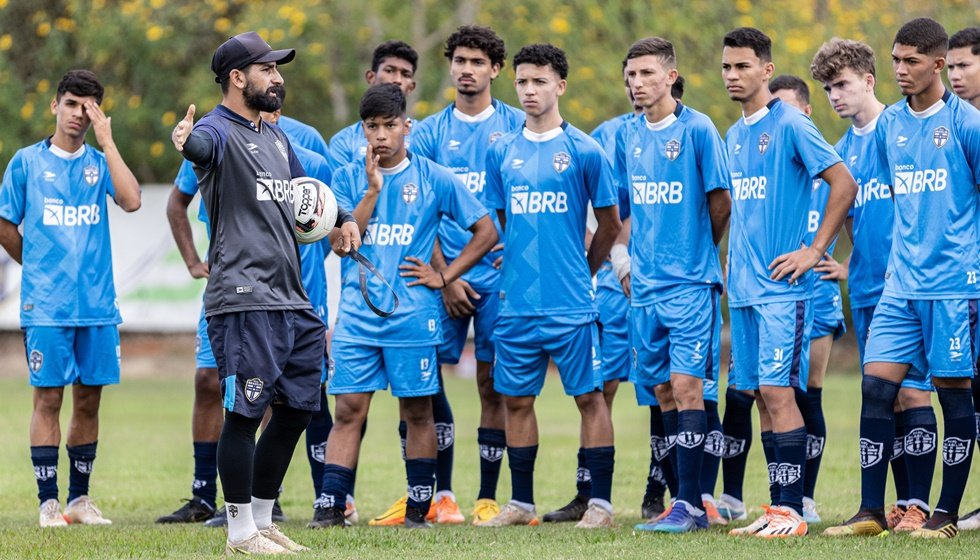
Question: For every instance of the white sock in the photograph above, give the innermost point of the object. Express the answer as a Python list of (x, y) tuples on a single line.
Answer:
[(601, 503), (523, 505), (241, 525), (262, 512)]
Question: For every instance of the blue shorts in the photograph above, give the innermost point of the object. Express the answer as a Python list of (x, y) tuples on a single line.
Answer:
[(771, 345), (202, 345), (681, 334), (646, 397), (60, 356), (862, 325), (934, 336), (455, 331), (411, 371), (828, 314), (524, 345), (614, 333), (268, 357)]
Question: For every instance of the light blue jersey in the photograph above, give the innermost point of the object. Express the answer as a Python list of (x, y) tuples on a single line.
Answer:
[(349, 145), (304, 135), (460, 142), (873, 215), (606, 133), (186, 182), (670, 167), (932, 162), (416, 195), (544, 183), (773, 154), (60, 201)]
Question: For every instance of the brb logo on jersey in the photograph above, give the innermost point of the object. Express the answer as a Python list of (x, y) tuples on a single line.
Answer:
[(748, 188), (524, 201), (909, 180), (57, 213), (388, 234), (267, 188), (871, 190), (473, 180), (656, 192)]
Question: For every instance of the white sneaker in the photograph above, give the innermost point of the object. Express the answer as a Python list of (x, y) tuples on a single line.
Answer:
[(596, 517), (82, 510), (51, 514), (255, 544), (970, 521), (752, 528), (784, 522), (731, 509), (810, 514), (275, 535)]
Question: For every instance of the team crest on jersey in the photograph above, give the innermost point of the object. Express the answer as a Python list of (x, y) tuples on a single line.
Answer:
[(690, 440), (733, 447), (35, 360), (672, 149), (870, 452), (253, 388), (491, 453), (814, 446), (282, 150), (659, 446), (561, 161), (445, 435), (763, 143), (420, 493), (91, 174), (956, 450), (495, 135), (319, 452), (940, 136), (410, 193), (714, 443), (920, 441)]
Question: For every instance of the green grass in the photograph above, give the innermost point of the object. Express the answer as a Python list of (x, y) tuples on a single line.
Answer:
[(144, 468)]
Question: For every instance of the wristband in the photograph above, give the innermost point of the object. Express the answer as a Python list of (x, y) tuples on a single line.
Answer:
[(620, 257)]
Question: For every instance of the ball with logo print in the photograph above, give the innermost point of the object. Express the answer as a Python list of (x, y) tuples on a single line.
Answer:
[(314, 208)]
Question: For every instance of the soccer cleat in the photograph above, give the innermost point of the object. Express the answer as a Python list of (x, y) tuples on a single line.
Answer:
[(863, 524), (941, 526), (82, 511), (652, 506), (220, 519), (810, 514), (194, 510), (970, 521), (595, 517), (752, 528), (679, 520), (327, 517), (350, 513), (485, 510), (511, 515), (731, 509), (274, 534), (414, 519), (711, 513), (277, 515), (395, 515), (447, 511), (895, 515), (255, 544), (572, 511), (784, 522), (50, 514), (913, 519)]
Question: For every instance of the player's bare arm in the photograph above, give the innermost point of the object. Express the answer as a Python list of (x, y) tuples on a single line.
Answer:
[(620, 257), (12, 240), (127, 188), (720, 211), (484, 237), (604, 237), (458, 296), (180, 227)]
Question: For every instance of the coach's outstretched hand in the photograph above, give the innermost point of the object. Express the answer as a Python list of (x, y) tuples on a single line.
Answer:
[(183, 129), (794, 264), (350, 238), (425, 274)]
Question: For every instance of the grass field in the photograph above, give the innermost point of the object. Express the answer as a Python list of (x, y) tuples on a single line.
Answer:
[(144, 468)]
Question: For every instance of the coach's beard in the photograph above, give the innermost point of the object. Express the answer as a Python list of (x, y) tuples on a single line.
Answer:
[(268, 101)]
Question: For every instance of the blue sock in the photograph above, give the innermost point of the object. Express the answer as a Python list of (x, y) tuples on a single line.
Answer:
[(790, 470), (691, 428), (206, 471), (316, 442), (811, 407), (670, 431), (772, 463), (337, 483), (81, 458), (442, 415), (875, 443), (921, 443), (583, 475), (737, 427), (661, 475), (521, 461), (492, 445), (959, 432), (421, 474), (900, 470), (600, 461), (45, 460), (714, 448)]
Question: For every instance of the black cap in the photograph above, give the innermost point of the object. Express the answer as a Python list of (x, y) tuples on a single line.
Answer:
[(244, 49)]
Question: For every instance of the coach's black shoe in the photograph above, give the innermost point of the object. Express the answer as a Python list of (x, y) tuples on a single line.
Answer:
[(652, 506), (277, 515), (573, 511), (195, 510), (328, 517), (415, 519)]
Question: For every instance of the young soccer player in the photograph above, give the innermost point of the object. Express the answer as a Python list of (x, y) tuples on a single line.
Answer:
[(774, 151), (399, 200), (267, 340), (56, 190), (929, 152), (540, 180), (458, 138)]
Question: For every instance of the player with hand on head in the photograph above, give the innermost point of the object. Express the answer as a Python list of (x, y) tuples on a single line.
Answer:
[(56, 190)]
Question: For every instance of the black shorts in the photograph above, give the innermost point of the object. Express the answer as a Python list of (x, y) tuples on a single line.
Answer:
[(268, 357)]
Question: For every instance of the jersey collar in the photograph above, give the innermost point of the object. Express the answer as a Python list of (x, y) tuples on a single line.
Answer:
[(235, 117), (935, 108), (666, 121), (64, 154), (477, 118), (544, 136), (761, 113), (402, 166)]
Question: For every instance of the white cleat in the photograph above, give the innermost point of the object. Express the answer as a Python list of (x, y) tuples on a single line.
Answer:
[(274, 534), (970, 521), (51, 514), (810, 514), (82, 511), (255, 544), (596, 517)]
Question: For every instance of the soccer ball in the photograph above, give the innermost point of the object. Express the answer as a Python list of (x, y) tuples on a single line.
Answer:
[(314, 207)]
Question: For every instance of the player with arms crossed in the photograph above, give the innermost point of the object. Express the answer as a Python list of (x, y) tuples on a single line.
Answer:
[(540, 179), (56, 190)]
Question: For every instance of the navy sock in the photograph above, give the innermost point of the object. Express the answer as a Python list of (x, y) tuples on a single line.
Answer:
[(661, 476), (691, 428), (80, 459), (769, 450), (421, 474), (521, 461), (442, 415), (959, 432), (790, 468), (316, 442), (714, 448), (600, 461), (811, 406), (920, 447), (975, 386), (875, 443), (737, 427), (45, 461), (337, 483), (583, 475), (670, 434), (403, 436), (492, 445), (206, 471), (900, 470)]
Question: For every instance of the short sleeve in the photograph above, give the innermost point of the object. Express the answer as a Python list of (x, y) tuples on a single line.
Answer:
[(13, 191), (712, 157), (811, 148), (493, 187), (186, 180)]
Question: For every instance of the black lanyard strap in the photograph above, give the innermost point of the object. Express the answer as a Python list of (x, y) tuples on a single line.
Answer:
[(365, 267)]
